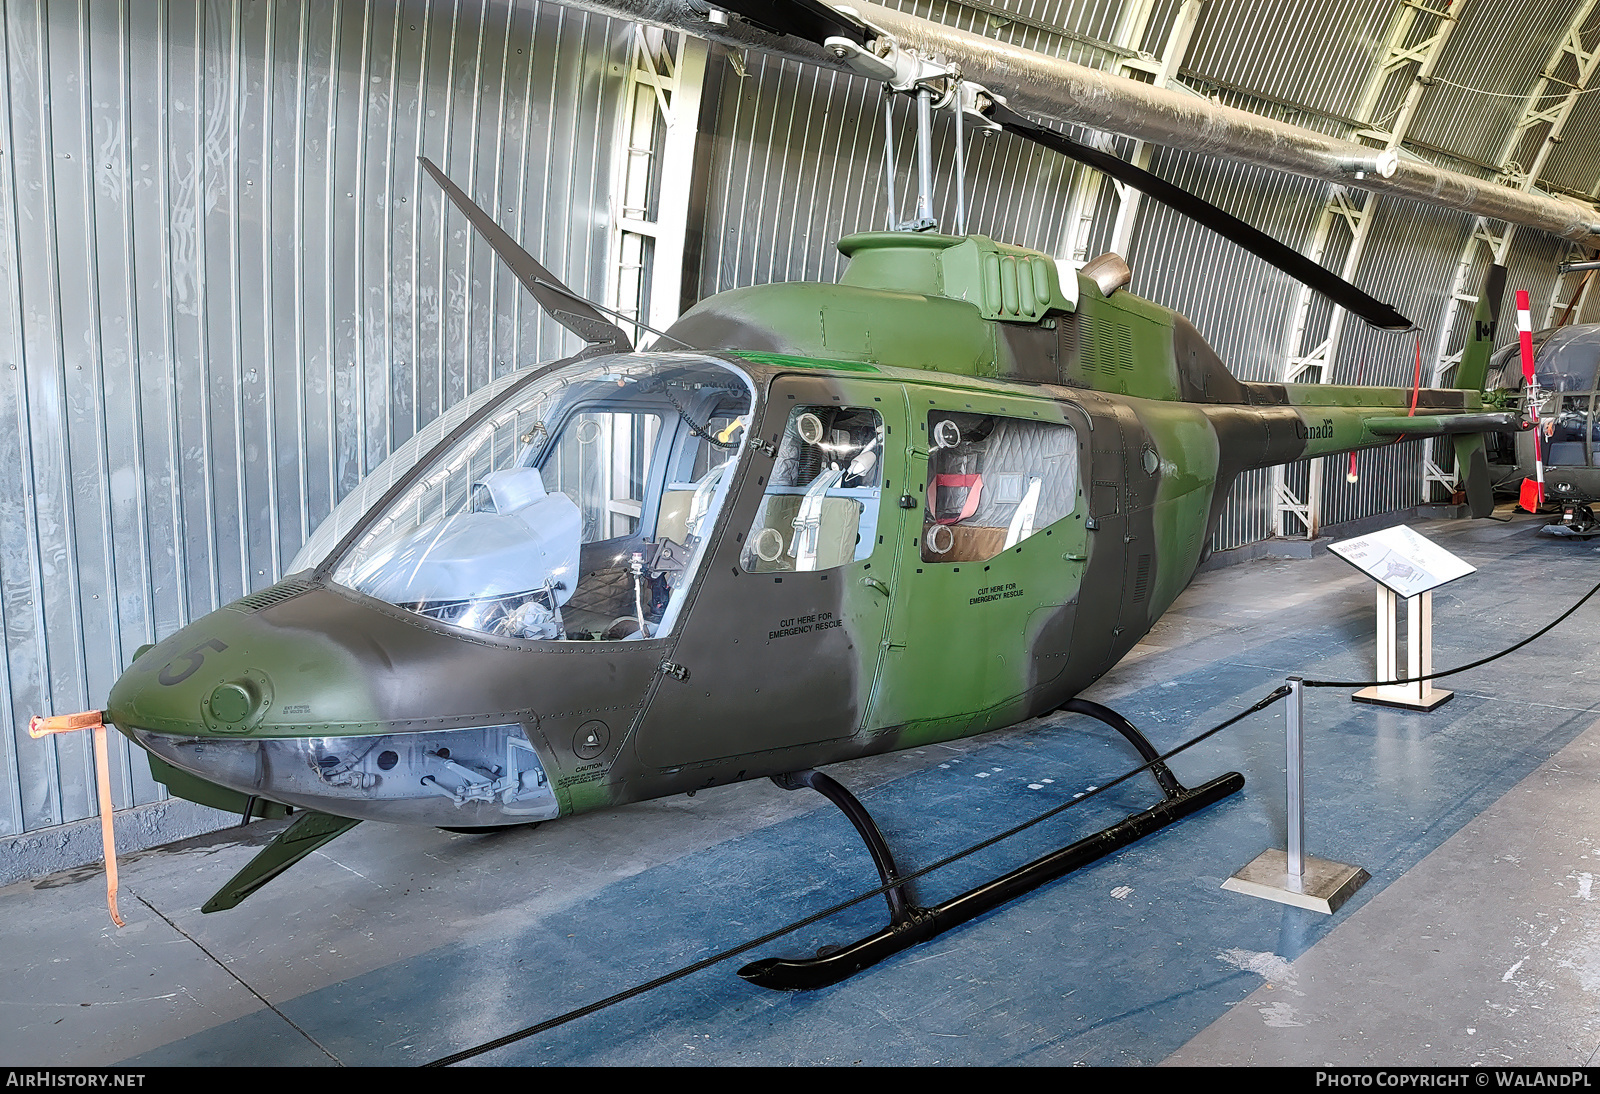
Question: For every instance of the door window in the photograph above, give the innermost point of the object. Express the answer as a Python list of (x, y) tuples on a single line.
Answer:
[(820, 509), (993, 482)]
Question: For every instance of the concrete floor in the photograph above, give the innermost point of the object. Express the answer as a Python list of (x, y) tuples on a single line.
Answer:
[(1477, 940)]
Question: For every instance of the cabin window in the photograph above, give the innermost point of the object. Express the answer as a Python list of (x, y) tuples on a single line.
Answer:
[(994, 482), (1568, 431), (820, 509)]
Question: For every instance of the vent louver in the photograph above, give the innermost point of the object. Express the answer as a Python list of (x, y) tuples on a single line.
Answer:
[(275, 594), (1141, 580)]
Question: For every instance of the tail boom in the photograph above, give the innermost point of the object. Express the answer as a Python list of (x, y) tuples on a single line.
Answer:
[(1329, 419)]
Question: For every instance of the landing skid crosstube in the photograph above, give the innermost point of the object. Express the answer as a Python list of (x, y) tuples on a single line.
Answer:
[(910, 924)]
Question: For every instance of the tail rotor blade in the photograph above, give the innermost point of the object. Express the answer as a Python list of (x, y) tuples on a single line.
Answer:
[(559, 302), (1225, 224), (1494, 289)]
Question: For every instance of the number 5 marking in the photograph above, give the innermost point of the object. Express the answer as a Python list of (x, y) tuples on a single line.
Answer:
[(193, 658)]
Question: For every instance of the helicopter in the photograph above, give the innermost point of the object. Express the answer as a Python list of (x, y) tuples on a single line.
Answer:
[(1561, 399), (811, 523)]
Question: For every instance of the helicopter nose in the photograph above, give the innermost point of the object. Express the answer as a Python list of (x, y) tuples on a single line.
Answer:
[(236, 672), (299, 707)]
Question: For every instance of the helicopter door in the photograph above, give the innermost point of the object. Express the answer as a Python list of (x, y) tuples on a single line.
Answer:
[(993, 554), (780, 645)]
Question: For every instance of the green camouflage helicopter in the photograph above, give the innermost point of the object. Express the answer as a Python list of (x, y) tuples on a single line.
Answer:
[(814, 523)]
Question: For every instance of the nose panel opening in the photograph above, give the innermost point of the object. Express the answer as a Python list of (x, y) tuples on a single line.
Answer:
[(485, 776)]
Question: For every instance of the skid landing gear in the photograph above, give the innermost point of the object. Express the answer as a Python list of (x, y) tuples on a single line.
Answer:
[(910, 924)]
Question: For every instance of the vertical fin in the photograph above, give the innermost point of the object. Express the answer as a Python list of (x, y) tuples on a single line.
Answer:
[(309, 831), (1472, 463), (1474, 367), (1472, 460)]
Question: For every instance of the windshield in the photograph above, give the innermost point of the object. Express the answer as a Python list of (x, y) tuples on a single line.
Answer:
[(577, 510)]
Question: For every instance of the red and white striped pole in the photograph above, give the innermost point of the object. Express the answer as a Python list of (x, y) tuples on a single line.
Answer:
[(1525, 336)]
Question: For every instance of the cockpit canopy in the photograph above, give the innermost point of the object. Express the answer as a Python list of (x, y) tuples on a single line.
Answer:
[(1565, 359), (576, 509)]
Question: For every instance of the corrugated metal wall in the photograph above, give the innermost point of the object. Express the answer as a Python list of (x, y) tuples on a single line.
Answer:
[(1308, 52), (226, 293)]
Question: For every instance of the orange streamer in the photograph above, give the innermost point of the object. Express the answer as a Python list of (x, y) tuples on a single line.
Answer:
[(93, 720)]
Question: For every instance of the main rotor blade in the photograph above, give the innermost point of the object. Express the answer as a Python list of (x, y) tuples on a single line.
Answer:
[(815, 22), (810, 20), (559, 302), (1257, 242)]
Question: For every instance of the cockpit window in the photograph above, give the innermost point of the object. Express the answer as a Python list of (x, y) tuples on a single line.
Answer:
[(577, 511)]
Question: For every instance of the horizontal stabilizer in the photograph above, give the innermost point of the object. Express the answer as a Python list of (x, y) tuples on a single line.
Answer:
[(1441, 425)]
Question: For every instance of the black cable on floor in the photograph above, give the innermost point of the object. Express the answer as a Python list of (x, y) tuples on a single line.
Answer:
[(1463, 668), (640, 989)]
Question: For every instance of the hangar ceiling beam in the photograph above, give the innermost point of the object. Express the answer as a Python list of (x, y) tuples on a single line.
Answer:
[(1352, 211), (1061, 91), (1568, 73)]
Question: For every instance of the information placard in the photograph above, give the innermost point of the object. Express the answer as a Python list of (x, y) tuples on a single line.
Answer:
[(1402, 560)]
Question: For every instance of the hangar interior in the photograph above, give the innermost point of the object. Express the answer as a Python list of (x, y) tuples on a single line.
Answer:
[(229, 292)]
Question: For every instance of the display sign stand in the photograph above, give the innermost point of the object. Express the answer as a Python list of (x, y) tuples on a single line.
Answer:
[(1404, 564), (1408, 565), (1421, 695)]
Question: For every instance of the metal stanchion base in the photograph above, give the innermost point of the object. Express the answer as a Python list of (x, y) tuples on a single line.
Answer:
[(1400, 695), (1324, 886)]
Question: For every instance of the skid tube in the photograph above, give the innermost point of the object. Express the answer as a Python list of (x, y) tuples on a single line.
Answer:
[(910, 925)]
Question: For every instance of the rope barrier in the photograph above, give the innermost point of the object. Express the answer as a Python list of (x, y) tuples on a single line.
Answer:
[(1461, 668)]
